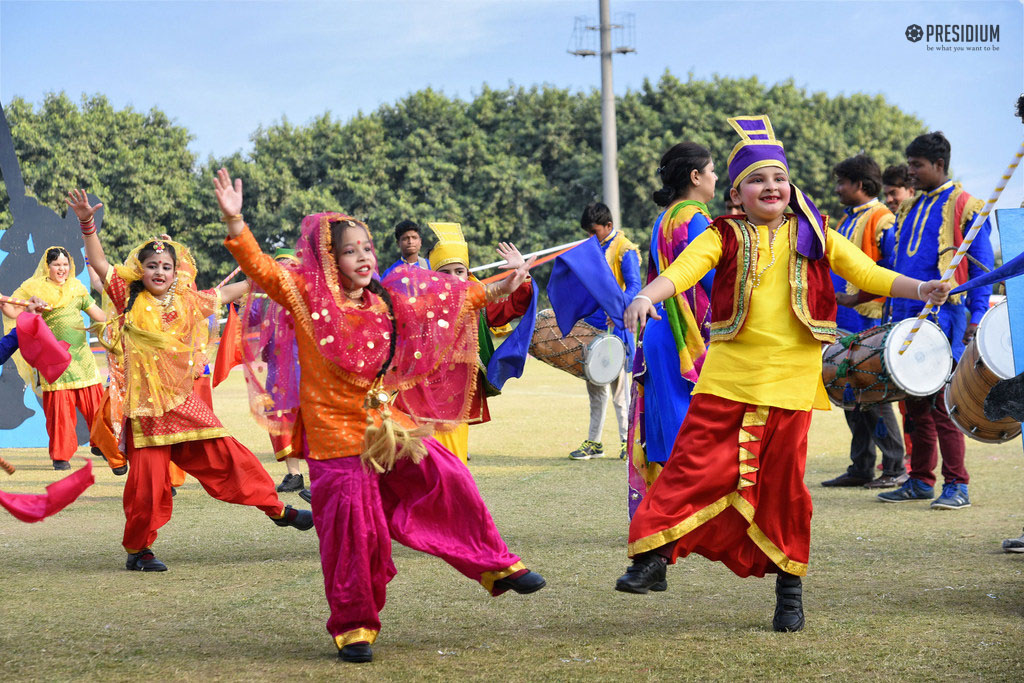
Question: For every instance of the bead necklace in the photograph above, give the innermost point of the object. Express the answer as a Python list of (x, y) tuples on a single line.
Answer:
[(771, 250)]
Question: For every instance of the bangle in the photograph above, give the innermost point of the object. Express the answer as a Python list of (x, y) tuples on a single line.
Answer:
[(233, 217), (919, 289), (644, 297)]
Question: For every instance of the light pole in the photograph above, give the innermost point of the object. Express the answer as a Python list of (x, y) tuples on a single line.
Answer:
[(609, 144)]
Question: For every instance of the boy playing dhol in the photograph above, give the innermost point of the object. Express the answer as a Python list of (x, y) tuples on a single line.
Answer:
[(733, 488)]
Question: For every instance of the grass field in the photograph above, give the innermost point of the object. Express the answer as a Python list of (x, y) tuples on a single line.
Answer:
[(894, 591)]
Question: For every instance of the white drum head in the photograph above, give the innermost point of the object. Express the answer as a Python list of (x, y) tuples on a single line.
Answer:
[(924, 368), (993, 341), (604, 359)]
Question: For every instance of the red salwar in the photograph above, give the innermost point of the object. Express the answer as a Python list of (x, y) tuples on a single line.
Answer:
[(59, 407), (432, 506), (102, 436), (226, 469), (732, 490)]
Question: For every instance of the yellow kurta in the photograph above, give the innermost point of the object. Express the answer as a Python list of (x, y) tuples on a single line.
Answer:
[(773, 360)]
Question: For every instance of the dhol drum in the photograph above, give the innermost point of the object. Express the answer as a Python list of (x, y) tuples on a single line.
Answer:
[(585, 352), (867, 368), (986, 360)]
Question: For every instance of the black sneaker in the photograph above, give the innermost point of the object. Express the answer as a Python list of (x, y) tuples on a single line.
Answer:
[(61, 465), (95, 450), (300, 519), (530, 582), (647, 573), (120, 471), (356, 653), (144, 561), (789, 606), (291, 482), (306, 495)]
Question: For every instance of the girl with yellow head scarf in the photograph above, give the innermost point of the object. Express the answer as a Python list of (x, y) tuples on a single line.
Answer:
[(80, 386)]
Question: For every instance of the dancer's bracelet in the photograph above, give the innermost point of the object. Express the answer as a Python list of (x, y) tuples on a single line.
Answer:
[(644, 297), (919, 289), (233, 217)]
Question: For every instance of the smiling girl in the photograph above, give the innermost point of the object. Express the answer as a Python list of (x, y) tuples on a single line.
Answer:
[(80, 386), (375, 477), (733, 488), (157, 346)]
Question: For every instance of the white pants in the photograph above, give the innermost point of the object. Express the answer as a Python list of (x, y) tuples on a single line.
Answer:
[(598, 394)]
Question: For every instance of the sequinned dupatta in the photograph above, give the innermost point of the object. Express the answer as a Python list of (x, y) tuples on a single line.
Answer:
[(434, 366)]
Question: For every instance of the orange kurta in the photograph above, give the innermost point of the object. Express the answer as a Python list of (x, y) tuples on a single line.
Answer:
[(332, 415)]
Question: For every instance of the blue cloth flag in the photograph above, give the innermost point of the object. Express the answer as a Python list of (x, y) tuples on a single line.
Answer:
[(509, 359), (581, 283)]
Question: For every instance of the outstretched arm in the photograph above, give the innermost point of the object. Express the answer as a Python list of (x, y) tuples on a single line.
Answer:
[(78, 200), (234, 292)]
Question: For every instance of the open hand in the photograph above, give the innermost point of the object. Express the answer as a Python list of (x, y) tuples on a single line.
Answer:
[(508, 251), (229, 195), (78, 200)]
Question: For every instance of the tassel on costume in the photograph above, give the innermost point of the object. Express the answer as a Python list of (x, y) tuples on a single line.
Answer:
[(881, 431), (848, 395), (383, 445)]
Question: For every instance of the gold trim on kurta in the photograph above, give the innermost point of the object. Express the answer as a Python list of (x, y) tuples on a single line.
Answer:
[(285, 452), (487, 579), (140, 440), (358, 635)]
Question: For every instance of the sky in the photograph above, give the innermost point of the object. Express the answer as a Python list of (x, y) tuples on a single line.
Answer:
[(222, 69)]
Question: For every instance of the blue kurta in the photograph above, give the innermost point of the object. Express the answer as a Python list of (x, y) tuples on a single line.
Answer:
[(924, 226)]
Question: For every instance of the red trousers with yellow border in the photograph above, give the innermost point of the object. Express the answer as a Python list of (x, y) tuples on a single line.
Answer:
[(733, 490), (59, 408), (226, 469)]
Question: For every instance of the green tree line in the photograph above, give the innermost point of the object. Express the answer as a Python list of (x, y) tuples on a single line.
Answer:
[(513, 164)]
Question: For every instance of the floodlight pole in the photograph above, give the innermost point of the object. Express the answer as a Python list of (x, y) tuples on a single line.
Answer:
[(609, 145)]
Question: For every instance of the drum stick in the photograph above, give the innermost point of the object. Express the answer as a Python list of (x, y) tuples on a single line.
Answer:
[(544, 259), (20, 302), (230, 277), (542, 252), (979, 220), (6, 466)]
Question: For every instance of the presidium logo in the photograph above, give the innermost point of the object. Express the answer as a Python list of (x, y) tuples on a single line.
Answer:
[(956, 37)]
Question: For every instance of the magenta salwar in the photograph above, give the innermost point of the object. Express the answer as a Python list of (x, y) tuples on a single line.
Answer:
[(432, 506)]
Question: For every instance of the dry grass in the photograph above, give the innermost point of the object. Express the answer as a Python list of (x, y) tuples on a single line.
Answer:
[(895, 591)]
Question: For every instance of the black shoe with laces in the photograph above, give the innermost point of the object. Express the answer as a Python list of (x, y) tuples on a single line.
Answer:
[(789, 606), (356, 653), (300, 519), (527, 582), (291, 482), (306, 495), (647, 573), (144, 561)]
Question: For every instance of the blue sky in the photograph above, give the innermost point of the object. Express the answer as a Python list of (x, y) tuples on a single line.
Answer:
[(224, 68)]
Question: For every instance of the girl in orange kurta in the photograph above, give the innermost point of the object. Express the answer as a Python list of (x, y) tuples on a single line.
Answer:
[(157, 350), (374, 476)]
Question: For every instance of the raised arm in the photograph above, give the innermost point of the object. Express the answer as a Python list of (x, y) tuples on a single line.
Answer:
[(229, 196), (78, 200)]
